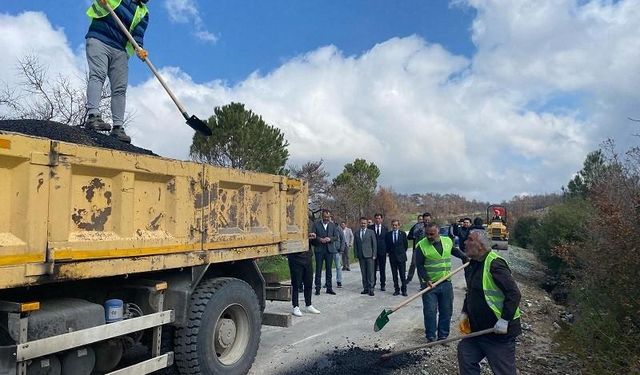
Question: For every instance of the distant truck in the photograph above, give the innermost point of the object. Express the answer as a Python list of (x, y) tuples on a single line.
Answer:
[(103, 252), (497, 226)]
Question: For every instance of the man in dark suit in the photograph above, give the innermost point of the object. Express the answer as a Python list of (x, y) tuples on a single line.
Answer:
[(397, 246), (380, 231), (365, 246), (326, 243)]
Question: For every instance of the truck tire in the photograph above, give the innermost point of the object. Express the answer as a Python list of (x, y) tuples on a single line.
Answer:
[(223, 329)]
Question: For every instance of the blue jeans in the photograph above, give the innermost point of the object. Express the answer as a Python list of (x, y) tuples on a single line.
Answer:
[(337, 260), (437, 307)]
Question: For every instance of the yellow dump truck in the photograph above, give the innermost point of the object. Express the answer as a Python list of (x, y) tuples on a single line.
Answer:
[(102, 251)]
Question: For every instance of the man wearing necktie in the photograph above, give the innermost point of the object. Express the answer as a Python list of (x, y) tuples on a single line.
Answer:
[(326, 244), (397, 246), (365, 246), (380, 231)]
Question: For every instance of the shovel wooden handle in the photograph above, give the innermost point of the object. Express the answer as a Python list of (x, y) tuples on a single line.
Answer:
[(126, 32), (439, 342), (425, 290)]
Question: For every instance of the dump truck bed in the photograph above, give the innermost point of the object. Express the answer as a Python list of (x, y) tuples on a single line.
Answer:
[(69, 212)]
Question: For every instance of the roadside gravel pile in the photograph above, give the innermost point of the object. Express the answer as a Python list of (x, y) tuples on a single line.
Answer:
[(72, 134)]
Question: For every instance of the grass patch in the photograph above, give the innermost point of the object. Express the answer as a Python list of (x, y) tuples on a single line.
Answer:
[(279, 265)]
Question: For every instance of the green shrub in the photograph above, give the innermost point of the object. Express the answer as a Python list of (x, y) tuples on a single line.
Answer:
[(523, 229), (564, 224)]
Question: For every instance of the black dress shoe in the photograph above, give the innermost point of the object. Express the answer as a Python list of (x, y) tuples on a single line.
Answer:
[(330, 291), (317, 291), (364, 292), (382, 289), (371, 293), (404, 294), (396, 293)]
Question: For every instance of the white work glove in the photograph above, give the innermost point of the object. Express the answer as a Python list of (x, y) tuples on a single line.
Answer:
[(501, 327)]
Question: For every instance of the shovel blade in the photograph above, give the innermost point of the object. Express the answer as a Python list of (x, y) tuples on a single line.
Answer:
[(382, 320), (198, 125)]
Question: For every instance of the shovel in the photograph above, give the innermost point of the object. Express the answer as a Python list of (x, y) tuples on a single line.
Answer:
[(439, 342), (194, 122), (383, 318)]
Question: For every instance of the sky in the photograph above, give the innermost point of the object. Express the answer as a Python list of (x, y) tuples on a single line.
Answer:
[(484, 98)]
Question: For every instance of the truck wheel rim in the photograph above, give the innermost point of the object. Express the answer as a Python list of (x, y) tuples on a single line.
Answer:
[(232, 333)]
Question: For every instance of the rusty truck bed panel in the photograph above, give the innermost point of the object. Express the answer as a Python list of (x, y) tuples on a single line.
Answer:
[(69, 211)]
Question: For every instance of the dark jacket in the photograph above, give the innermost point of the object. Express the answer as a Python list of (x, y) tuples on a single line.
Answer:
[(380, 239), (414, 232), (106, 29), (397, 251), (463, 234), (331, 232), (475, 306), (303, 257)]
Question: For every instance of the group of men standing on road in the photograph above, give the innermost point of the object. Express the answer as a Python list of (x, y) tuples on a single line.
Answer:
[(372, 244), (492, 296)]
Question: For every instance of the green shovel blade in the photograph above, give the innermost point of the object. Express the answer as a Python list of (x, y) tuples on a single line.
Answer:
[(382, 320)]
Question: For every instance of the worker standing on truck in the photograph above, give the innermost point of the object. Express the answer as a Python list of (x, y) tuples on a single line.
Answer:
[(108, 51), (492, 300)]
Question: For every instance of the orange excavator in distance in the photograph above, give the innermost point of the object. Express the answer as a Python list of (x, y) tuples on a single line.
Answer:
[(497, 226)]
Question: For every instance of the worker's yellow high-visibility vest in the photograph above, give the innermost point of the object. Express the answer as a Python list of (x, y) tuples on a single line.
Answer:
[(492, 294), (97, 11), (437, 265)]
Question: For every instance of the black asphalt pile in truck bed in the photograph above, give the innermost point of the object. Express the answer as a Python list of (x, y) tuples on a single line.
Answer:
[(354, 360), (72, 134)]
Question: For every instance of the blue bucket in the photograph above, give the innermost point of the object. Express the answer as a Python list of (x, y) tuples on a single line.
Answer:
[(113, 310)]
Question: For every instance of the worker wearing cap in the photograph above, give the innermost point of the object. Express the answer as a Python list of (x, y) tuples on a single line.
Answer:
[(433, 262), (108, 51), (492, 300)]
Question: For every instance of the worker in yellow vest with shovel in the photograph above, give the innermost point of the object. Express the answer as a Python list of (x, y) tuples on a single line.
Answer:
[(108, 50), (433, 262)]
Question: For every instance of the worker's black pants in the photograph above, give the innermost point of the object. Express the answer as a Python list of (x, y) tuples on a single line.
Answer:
[(381, 266), (301, 274), (327, 258), (499, 351)]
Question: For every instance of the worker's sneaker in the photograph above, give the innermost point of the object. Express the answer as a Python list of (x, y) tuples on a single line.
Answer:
[(312, 310), (296, 311), (118, 132), (95, 122)]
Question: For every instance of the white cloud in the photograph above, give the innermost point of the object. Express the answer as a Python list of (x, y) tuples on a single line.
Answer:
[(48, 44), (490, 126), (186, 11)]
